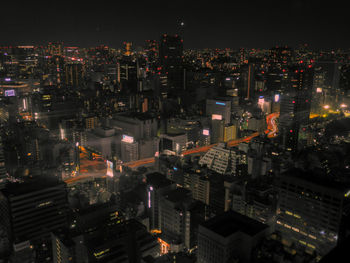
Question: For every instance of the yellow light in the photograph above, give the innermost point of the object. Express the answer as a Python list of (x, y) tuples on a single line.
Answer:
[(347, 194), (297, 216), (312, 246), (302, 242)]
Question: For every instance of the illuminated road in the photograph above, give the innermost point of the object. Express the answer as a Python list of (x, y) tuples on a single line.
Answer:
[(95, 168), (272, 128), (271, 132)]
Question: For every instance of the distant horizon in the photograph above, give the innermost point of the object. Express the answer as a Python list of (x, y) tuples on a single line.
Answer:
[(138, 45)]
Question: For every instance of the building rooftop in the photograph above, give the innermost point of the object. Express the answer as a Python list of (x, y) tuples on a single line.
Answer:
[(319, 179), (135, 115), (157, 180), (178, 195), (31, 185), (231, 222)]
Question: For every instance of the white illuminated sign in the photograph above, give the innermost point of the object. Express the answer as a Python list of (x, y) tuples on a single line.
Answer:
[(128, 139), (277, 98), (109, 169), (206, 132)]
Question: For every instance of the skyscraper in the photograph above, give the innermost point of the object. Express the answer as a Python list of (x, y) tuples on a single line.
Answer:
[(32, 209), (229, 237), (170, 55), (295, 105), (310, 209)]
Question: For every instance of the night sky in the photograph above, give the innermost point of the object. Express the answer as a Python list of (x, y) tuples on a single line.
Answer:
[(211, 24)]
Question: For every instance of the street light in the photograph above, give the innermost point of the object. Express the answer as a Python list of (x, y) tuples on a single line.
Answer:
[(326, 107), (343, 105)]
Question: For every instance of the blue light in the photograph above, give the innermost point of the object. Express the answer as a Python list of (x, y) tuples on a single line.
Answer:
[(175, 169), (220, 103)]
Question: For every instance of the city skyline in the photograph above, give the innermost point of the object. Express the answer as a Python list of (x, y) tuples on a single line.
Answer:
[(162, 132)]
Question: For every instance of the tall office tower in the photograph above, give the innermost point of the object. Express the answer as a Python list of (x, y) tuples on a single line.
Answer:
[(247, 87), (175, 218), (157, 185), (32, 209), (170, 55), (331, 78), (126, 70), (2, 166), (274, 79), (219, 110), (310, 209), (229, 237), (74, 74), (295, 106)]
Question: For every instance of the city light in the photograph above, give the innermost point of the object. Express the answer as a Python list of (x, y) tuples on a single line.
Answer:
[(173, 144), (216, 117), (127, 139)]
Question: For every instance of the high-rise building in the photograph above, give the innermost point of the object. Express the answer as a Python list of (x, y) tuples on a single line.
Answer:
[(220, 159), (199, 185), (175, 218), (219, 110), (74, 74), (170, 55), (31, 210), (229, 237), (157, 185), (35, 207), (124, 242), (295, 105), (247, 89), (310, 209)]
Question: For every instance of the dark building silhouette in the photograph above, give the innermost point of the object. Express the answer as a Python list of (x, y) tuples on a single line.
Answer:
[(295, 105), (171, 58)]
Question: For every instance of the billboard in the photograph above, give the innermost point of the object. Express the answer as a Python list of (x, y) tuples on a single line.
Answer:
[(109, 169), (127, 138), (216, 117), (277, 98), (9, 93), (206, 132)]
